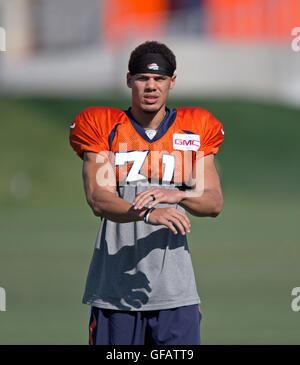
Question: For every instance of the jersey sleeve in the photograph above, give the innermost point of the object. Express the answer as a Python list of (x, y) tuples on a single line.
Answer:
[(86, 134), (212, 136)]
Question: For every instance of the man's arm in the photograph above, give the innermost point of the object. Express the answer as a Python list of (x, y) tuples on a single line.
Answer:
[(203, 201), (100, 189), (209, 201)]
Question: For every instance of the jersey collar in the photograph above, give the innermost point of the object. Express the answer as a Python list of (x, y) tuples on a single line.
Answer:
[(162, 129)]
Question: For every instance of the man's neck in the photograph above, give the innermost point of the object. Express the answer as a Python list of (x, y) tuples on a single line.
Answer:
[(149, 120)]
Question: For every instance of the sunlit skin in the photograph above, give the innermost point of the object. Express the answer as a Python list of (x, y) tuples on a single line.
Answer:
[(149, 94)]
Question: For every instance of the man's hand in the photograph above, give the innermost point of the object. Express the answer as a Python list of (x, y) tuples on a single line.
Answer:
[(171, 218), (155, 196)]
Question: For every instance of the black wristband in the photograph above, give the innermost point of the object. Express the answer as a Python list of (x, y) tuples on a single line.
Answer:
[(147, 213)]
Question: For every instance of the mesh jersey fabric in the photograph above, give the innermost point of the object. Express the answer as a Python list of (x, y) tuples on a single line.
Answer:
[(138, 266)]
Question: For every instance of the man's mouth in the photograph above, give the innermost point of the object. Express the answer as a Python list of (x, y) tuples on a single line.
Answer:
[(150, 99)]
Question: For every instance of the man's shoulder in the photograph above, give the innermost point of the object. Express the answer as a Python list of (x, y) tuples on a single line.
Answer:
[(100, 117), (191, 112), (192, 119), (102, 111), (93, 127), (197, 120)]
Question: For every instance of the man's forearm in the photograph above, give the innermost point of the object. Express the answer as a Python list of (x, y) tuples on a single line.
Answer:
[(108, 205), (209, 204)]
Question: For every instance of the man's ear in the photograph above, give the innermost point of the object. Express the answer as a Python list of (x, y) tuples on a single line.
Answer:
[(173, 79), (129, 79)]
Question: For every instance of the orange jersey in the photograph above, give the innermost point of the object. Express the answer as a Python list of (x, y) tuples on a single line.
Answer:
[(184, 135)]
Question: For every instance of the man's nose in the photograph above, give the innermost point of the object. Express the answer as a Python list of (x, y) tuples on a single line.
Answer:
[(151, 84)]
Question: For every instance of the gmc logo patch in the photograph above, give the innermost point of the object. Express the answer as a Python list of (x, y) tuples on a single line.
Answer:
[(186, 142)]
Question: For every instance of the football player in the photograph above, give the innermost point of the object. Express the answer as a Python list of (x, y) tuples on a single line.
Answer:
[(143, 168)]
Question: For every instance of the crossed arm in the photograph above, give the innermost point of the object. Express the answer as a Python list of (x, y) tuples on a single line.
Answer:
[(102, 198)]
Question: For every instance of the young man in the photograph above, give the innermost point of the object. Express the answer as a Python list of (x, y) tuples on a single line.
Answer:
[(142, 169)]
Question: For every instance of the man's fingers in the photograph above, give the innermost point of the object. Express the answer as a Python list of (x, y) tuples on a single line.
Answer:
[(184, 219), (140, 203), (177, 221), (183, 215), (146, 198), (169, 224), (178, 224), (153, 204), (139, 197), (144, 193), (172, 218)]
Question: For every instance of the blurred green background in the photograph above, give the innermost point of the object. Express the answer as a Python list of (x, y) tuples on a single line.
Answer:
[(246, 261)]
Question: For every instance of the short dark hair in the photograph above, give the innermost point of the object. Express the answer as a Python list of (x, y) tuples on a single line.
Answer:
[(151, 47)]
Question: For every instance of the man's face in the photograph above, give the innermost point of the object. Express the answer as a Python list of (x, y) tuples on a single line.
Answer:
[(150, 91)]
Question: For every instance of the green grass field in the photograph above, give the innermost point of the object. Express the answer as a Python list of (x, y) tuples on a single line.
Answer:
[(246, 261)]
